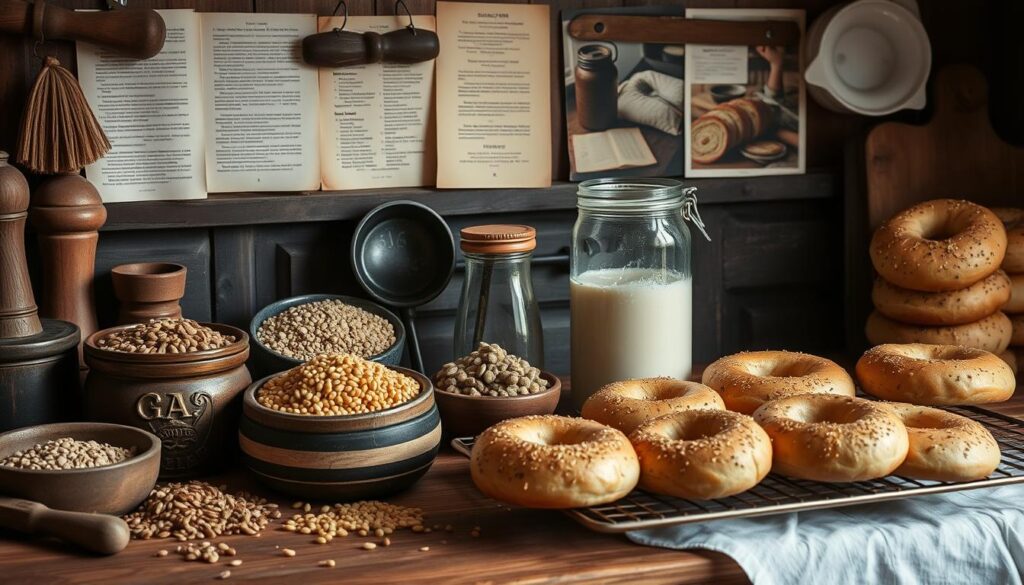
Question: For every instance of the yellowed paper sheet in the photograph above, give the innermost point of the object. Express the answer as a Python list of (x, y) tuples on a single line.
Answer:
[(377, 121), (261, 100), (493, 95), (151, 111)]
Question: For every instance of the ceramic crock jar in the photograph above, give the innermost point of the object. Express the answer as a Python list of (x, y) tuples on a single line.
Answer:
[(190, 400)]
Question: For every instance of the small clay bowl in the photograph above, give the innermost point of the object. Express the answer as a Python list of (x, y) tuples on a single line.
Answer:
[(267, 361), (335, 458), (468, 416), (112, 489), (148, 290)]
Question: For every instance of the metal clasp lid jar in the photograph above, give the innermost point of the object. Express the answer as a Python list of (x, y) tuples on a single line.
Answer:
[(631, 282)]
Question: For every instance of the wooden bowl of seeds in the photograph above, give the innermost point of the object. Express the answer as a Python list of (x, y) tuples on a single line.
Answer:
[(489, 385), (468, 416), (117, 466)]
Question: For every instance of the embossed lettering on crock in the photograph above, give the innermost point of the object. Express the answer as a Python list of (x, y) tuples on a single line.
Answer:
[(182, 425)]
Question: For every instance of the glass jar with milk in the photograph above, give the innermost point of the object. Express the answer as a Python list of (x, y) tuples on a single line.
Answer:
[(630, 282)]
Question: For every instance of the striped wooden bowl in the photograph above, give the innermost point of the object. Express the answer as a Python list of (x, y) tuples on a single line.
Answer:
[(341, 457)]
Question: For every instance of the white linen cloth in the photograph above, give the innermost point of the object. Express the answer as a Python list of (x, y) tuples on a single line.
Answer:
[(653, 99), (969, 537)]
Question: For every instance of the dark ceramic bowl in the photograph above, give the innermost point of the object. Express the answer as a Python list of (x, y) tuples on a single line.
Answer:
[(111, 489), (724, 93), (267, 361), (468, 416), (335, 458)]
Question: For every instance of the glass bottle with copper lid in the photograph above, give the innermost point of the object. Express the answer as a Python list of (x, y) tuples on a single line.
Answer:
[(497, 303)]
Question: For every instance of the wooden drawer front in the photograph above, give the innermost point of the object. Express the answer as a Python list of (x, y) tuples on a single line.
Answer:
[(771, 252), (781, 282)]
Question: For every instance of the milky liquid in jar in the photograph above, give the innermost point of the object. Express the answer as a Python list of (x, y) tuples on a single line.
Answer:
[(629, 323), (631, 281)]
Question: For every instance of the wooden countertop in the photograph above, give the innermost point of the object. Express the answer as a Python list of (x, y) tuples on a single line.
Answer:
[(515, 545)]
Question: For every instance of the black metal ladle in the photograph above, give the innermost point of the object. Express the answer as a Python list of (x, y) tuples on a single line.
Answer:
[(403, 255)]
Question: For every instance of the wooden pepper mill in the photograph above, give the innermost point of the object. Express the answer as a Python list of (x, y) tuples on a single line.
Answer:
[(67, 212), (38, 357), (18, 317)]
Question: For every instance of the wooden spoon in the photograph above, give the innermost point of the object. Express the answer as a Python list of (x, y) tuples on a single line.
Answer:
[(100, 533)]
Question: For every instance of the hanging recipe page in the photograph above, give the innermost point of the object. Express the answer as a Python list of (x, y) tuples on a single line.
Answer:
[(262, 103), (377, 120), (493, 95), (151, 110)]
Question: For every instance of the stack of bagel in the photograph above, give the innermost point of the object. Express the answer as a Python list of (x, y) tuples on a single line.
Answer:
[(1013, 265), (940, 279)]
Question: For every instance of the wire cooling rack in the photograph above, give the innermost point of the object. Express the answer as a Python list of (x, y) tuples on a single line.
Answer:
[(777, 494)]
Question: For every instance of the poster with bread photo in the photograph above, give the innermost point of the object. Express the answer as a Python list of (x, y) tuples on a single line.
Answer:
[(623, 101), (746, 106)]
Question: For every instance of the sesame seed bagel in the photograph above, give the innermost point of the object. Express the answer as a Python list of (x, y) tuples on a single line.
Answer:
[(934, 374), (702, 454), (747, 380), (833, 438), (628, 404), (1016, 302), (553, 462), (955, 307), (991, 334), (939, 245), (945, 446), (1013, 221)]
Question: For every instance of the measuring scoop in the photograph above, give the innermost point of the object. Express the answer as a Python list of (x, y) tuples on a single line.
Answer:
[(403, 255)]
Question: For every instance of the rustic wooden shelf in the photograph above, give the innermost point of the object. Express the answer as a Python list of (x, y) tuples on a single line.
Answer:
[(230, 209)]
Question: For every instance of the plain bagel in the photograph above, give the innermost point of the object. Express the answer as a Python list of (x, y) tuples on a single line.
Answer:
[(1013, 221), (702, 454), (833, 438), (628, 404), (553, 462), (747, 380), (934, 374), (1016, 302), (955, 307), (939, 245), (945, 446), (990, 334)]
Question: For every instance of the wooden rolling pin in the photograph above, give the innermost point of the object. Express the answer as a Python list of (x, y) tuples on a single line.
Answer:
[(680, 30), (99, 533), (133, 32)]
